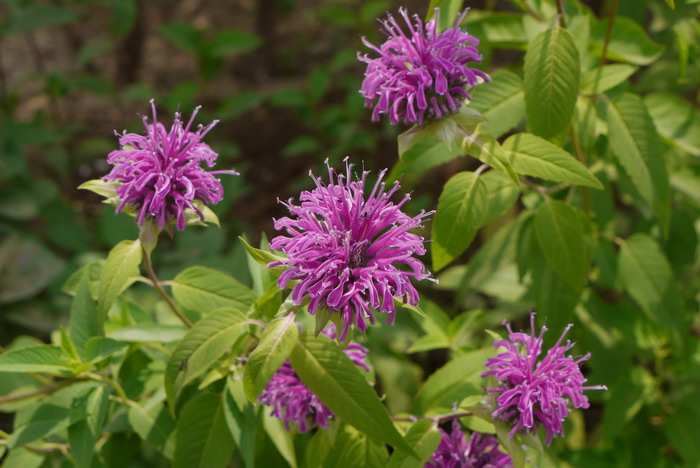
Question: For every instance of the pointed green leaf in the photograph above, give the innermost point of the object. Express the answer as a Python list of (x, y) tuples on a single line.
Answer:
[(42, 358), (83, 435), (601, 79), (501, 101), (676, 119), (203, 345), (635, 144), (353, 449), (202, 439), (149, 333), (424, 437), (560, 235), (480, 144), (280, 437), (276, 343), (121, 266), (460, 213), (552, 71), (331, 375), (535, 156), (202, 290), (37, 421), (241, 419), (154, 424), (629, 42)]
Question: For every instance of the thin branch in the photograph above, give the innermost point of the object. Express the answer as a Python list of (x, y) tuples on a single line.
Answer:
[(608, 33), (157, 285), (47, 390)]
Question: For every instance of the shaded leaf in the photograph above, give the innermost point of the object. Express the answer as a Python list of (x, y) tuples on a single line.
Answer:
[(202, 290)]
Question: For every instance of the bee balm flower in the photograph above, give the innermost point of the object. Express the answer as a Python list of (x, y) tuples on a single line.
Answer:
[(481, 452), (532, 392), (422, 74), (160, 173), (351, 253)]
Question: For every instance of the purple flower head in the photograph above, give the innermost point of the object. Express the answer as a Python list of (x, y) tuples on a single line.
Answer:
[(351, 253), (481, 452), (421, 75), (530, 391), (161, 174), (293, 402)]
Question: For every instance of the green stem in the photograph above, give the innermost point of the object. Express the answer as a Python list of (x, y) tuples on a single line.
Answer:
[(560, 10), (157, 285), (608, 33)]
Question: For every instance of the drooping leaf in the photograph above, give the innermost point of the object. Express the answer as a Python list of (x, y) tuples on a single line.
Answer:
[(276, 343), (353, 449), (635, 144), (280, 437), (241, 420), (37, 421), (204, 343), (331, 375), (154, 424), (552, 72), (501, 101), (561, 237), (202, 439), (202, 290), (122, 264), (424, 437), (461, 211), (535, 156), (83, 435)]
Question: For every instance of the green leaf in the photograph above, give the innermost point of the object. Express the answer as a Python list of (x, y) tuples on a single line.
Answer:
[(37, 421), (101, 187), (280, 437), (635, 144), (233, 41), (241, 420), (353, 449), (149, 333), (121, 266), (84, 322), (42, 358), (535, 156), (504, 30), (423, 155), (184, 36), (628, 42), (202, 439), (98, 348), (560, 235), (511, 444), (502, 194), (263, 257), (330, 374), (449, 10), (480, 144), (454, 381), (461, 211), (83, 435), (601, 79), (24, 458), (680, 427), (501, 101), (276, 343), (552, 71), (676, 120), (647, 276), (36, 17), (202, 290), (424, 437), (204, 343), (154, 424)]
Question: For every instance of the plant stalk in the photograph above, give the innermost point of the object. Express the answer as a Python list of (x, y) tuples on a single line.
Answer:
[(156, 284)]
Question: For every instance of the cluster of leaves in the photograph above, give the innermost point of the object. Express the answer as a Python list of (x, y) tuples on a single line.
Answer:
[(585, 209)]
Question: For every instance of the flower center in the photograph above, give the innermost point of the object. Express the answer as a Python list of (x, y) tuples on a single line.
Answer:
[(358, 254)]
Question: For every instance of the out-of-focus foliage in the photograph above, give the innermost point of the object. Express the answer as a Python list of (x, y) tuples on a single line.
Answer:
[(587, 212)]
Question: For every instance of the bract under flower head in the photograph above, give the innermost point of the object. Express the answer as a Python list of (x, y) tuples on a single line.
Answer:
[(161, 174), (350, 254), (482, 451), (532, 392), (421, 75), (293, 402)]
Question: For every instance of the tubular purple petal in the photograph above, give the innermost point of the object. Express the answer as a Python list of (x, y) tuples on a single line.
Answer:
[(421, 75), (532, 391), (482, 451), (349, 254), (161, 174)]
